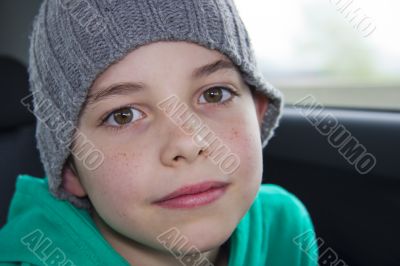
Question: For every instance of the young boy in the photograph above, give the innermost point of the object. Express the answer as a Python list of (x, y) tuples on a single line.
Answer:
[(152, 116)]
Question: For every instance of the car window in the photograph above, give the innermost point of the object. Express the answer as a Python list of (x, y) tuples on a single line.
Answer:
[(345, 53)]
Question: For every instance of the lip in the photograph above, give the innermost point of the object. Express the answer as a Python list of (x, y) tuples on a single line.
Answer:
[(193, 195)]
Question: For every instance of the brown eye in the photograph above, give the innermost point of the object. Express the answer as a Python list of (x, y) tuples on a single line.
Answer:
[(217, 95), (213, 95), (123, 116)]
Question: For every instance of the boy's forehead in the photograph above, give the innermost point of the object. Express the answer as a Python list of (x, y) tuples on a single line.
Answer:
[(163, 54), (119, 80)]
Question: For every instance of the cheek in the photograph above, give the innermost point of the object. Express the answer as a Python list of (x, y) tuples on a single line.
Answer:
[(117, 182), (119, 191), (246, 144), (241, 135), (240, 132)]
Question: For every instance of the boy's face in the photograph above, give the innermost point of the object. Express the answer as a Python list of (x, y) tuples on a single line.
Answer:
[(147, 156)]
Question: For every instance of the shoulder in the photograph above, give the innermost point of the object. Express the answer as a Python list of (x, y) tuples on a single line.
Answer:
[(286, 226), (278, 201), (281, 209), (37, 218)]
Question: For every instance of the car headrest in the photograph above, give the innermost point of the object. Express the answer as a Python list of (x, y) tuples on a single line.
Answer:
[(14, 86)]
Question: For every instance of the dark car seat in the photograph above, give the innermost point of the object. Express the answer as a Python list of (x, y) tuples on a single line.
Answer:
[(356, 217), (18, 151)]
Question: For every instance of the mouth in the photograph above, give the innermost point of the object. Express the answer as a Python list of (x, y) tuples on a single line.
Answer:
[(193, 195)]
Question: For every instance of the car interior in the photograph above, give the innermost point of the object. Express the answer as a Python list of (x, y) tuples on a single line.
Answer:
[(356, 214)]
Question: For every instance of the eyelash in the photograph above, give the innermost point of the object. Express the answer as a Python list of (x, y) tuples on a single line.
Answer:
[(233, 92), (104, 118)]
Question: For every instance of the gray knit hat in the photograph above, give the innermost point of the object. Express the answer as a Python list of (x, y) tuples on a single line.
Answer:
[(73, 41)]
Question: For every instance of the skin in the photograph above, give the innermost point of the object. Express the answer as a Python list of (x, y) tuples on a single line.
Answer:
[(150, 156)]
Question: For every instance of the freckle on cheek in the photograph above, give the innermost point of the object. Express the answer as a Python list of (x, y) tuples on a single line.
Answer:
[(125, 159), (121, 154), (234, 135)]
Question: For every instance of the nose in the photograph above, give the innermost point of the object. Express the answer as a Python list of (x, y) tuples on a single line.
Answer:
[(179, 147)]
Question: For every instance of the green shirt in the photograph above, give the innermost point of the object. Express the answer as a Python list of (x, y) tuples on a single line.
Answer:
[(42, 230)]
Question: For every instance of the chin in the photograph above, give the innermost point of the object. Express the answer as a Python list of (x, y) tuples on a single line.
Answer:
[(206, 236)]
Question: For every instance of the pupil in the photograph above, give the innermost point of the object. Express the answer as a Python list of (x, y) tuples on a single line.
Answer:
[(123, 116), (213, 95)]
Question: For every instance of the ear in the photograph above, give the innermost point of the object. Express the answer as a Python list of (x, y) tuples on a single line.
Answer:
[(71, 181), (261, 103)]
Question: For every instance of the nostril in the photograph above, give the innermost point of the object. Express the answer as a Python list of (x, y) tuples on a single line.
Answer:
[(177, 158)]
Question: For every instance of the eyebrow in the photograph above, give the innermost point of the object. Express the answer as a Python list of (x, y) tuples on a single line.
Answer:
[(212, 68), (128, 88), (113, 90)]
